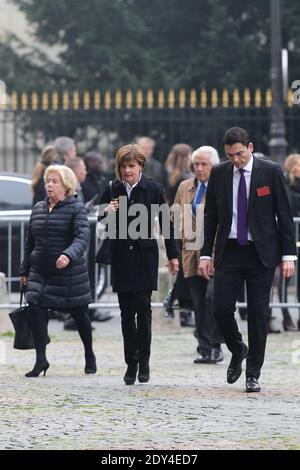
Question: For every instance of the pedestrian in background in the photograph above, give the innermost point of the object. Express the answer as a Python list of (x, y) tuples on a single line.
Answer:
[(77, 165), (189, 200), (49, 157), (178, 166), (292, 176), (65, 148), (153, 168)]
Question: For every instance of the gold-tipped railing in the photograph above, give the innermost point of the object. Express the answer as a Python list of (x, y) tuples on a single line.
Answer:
[(140, 99)]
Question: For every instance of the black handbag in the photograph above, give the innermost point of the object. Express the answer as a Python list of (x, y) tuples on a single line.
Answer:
[(105, 251), (21, 321)]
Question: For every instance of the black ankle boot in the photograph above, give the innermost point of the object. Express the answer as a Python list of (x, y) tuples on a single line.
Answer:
[(90, 364), (144, 373), (130, 374), (38, 368)]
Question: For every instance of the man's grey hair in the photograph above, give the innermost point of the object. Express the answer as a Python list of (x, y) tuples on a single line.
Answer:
[(214, 156), (62, 145)]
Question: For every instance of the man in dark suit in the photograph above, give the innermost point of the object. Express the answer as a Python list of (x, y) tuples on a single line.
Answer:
[(248, 212)]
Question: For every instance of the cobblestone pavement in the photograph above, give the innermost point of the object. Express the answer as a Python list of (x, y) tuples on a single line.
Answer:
[(184, 406)]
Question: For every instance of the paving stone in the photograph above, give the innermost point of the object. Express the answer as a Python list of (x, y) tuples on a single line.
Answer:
[(184, 406)]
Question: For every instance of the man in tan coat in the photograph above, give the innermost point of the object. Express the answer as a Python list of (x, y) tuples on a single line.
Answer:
[(189, 203)]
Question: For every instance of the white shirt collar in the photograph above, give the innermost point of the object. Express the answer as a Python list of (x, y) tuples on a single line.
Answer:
[(129, 187), (200, 182)]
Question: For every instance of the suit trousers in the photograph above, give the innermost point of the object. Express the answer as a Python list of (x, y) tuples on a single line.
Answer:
[(239, 264), (136, 318), (206, 327)]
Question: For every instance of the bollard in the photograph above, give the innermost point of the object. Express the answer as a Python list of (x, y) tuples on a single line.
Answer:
[(5, 323)]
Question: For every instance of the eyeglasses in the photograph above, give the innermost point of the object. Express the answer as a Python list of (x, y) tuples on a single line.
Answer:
[(239, 154)]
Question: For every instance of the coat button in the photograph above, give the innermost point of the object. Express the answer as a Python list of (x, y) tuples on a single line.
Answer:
[(131, 247)]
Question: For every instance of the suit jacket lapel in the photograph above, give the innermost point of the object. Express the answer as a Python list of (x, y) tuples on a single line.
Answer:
[(229, 177), (253, 182)]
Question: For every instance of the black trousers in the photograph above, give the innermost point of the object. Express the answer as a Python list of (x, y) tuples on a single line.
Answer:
[(39, 322), (136, 317), (243, 264), (206, 327)]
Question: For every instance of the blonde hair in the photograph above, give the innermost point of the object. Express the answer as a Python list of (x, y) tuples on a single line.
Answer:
[(129, 153), (49, 156), (289, 165), (66, 175)]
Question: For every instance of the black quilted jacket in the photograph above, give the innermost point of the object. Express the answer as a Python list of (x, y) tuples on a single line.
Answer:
[(64, 230)]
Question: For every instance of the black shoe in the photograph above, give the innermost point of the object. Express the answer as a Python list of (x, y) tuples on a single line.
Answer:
[(38, 368), (204, 359), (217, 355), (90, 365), (298, 324), (102, 316), (130, 374), (252, 385), (235, 367), (169, 314), (144, 373), (289, 325)]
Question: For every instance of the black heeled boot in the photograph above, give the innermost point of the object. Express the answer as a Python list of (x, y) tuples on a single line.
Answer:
[(90, 364), (38, 368), (130, 374)]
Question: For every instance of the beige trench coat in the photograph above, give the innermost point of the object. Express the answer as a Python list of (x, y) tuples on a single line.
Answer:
[(191, 236)]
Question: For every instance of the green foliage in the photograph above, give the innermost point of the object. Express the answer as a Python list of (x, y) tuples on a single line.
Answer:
[(142, 43)]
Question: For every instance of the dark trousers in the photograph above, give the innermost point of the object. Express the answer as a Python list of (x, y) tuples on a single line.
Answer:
[(283, 285), (243, 264), (206, 327), (136, 318), (39, 323)]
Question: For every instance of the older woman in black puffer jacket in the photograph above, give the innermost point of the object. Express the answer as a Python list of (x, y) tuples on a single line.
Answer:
[(54, 267)]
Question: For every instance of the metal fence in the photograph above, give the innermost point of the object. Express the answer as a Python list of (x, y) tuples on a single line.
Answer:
[(12, 236), (105, 120)]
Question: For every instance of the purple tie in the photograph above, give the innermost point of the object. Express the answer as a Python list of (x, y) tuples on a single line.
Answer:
[(242, 212)]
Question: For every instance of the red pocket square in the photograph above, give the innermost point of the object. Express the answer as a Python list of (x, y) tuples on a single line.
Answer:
[(264, 191)]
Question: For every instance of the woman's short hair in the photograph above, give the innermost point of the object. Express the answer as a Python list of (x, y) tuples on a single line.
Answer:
[(67, 176), (129, 153), (214, 156)]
